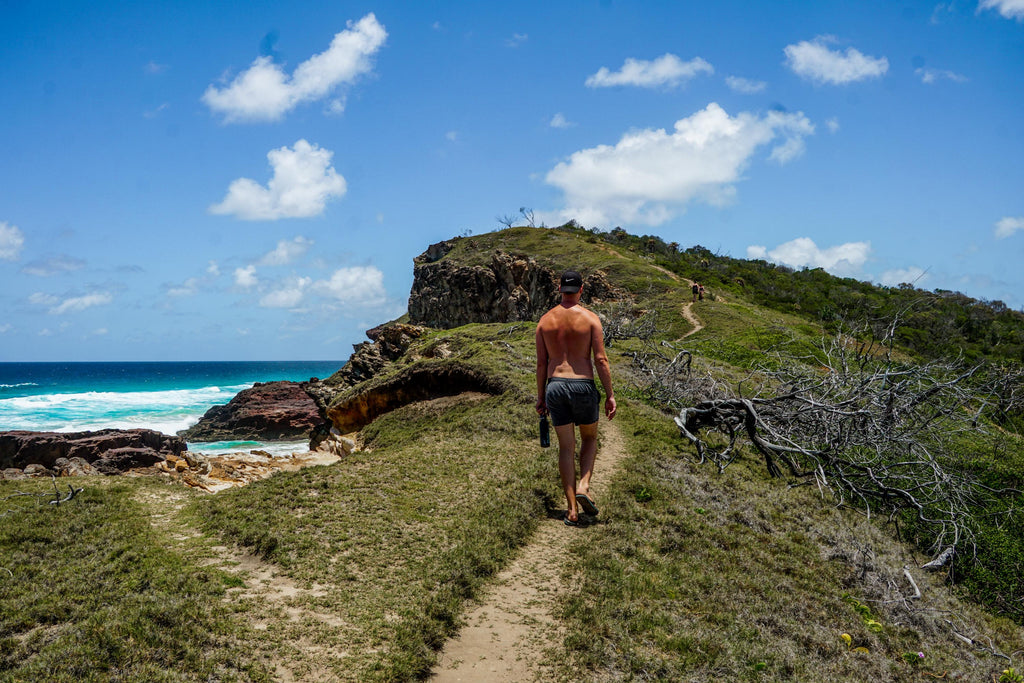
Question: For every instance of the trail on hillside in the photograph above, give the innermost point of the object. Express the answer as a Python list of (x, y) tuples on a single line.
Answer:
[(508, 630), (272, 597), (692, 319)]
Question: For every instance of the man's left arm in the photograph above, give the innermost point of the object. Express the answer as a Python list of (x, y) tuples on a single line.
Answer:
[(603, 367)]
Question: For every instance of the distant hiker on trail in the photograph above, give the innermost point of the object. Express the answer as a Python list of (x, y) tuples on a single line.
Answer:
[(696, 290), (700, 292), (567, 336)]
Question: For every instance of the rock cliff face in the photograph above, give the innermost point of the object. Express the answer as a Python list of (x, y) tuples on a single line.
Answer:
[(109, 451), (418, 383), (511, 288), (274, 411)]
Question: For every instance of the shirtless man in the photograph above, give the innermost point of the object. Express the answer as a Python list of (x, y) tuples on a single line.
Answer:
[(567, 336)]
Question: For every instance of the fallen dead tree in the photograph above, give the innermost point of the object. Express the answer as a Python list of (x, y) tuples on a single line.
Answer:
[(56, 498), (867, 429)]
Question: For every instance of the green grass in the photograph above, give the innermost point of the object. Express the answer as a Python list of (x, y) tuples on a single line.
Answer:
[(396, 538), (90, 592), (699, 576)]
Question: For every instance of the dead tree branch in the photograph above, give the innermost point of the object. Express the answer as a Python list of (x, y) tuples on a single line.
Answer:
[(866, 427), (56, 498)]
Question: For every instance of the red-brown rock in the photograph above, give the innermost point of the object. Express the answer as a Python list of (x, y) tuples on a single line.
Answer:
[(274, 411), (19, 449)]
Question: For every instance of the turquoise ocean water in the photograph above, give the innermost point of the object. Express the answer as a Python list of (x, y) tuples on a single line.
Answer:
[(167, 397)]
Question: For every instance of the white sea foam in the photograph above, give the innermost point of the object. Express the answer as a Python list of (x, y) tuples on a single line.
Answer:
[(165, 411), (19, 384)]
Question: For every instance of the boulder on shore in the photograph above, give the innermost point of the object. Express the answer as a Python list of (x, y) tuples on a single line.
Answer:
[(119, 449), (271, 411)]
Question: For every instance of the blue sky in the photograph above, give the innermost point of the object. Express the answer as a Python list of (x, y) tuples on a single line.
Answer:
[(193, 181)]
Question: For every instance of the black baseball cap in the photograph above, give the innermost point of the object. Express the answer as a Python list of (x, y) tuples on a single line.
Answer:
[(571, 282)]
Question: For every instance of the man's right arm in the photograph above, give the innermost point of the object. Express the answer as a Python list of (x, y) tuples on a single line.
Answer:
[(542, 371)]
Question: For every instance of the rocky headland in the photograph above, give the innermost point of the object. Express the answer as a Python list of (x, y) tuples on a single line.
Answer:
[(446, 293)]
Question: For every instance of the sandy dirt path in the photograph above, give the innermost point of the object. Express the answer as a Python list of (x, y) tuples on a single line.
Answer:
[(507, 632), (692, 319), (274, 599)]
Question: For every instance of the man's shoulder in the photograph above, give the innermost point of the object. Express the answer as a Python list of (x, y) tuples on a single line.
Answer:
[(590, 315)]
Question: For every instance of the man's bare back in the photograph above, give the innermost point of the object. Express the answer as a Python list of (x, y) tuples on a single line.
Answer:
[(568, 335)]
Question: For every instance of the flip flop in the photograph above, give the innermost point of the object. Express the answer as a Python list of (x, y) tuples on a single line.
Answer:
[(569, 522), (588, 505)]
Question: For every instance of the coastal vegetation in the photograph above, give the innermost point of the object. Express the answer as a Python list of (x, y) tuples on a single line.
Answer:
[(363, 569)]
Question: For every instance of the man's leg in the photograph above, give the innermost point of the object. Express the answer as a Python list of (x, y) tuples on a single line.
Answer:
[(588, 454), (567, 466)]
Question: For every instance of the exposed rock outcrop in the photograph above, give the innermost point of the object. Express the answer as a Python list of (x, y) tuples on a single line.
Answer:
[(513, 287), (110, 451), (510, 288), (387, 343), (217, 473), (274, 411), (417, 383)]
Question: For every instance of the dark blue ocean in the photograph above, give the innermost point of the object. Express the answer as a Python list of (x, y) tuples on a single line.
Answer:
[(167, 397)]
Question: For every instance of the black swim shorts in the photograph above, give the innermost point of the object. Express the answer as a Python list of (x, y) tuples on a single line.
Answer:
[(572, 401)]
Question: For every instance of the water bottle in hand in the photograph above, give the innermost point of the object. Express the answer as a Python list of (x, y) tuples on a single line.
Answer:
[(545, 432)]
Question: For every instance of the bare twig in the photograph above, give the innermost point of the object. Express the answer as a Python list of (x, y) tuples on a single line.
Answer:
[(917, 591)]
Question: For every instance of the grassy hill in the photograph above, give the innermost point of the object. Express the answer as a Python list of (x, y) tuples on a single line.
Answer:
[(363, 569)]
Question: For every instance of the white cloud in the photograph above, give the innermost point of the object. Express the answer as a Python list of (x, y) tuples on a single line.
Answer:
[(5, 328), (833, 125), (336, 107), (289, 295), (80, 303), (246, 277), (53, 265), (355, 286), (213, 269), (71, 304), (815, 61), (153, 113), (911, 275), (744, 85), (1005, 227), (11, 241), (303, 181), (788, 150), (845, 260), (42, 299), (517, 39), (264, 92), (559, 121), (932, 75), (940, 9), (666, 71), (100, 332), (1010, 9), (452, 136), (286, 251), (651, 175), (187, 288), (154, 68)]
